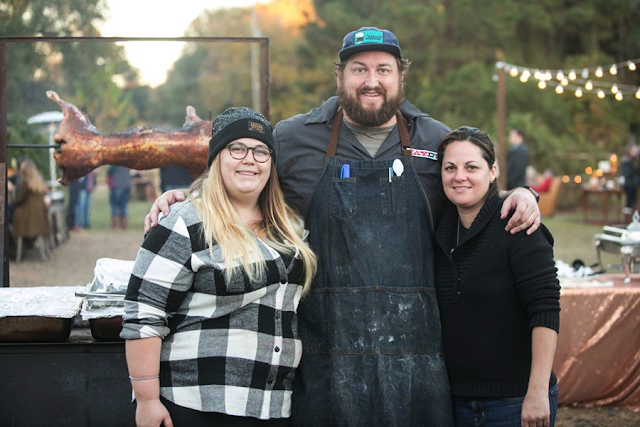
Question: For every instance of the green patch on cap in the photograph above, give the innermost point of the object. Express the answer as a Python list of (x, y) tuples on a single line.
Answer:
[(369, 36)]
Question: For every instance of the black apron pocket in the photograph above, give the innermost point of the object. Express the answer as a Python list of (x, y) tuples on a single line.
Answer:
[(393, 196), (343, 197)]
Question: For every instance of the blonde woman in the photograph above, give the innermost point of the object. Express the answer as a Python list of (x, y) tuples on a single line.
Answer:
[(210, 312), (30, 218)]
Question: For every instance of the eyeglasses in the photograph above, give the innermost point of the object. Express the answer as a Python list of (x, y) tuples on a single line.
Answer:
[(239, 151)]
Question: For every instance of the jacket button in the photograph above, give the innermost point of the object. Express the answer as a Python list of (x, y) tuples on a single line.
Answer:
[(277, 349), (459, 294), (277, 314), (269, 380)]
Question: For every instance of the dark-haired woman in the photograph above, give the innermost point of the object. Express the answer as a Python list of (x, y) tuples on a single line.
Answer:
[(498, 295)]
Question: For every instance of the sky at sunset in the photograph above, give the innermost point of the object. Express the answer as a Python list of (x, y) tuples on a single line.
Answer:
[(155, 18)]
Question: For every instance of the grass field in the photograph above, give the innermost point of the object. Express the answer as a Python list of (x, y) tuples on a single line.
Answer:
[(101, 215)]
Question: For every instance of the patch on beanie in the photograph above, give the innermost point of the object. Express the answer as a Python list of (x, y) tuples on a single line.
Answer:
[(256, 127), (368, 36)]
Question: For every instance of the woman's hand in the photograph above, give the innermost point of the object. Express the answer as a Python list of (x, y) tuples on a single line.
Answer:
[(535, 409), (152, 413)]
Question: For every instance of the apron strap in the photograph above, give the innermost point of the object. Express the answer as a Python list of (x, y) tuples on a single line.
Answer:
[(404, 135), (335, 133), (337, 124)]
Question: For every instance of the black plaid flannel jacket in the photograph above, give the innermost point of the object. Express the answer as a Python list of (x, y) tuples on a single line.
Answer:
[(229, 347)]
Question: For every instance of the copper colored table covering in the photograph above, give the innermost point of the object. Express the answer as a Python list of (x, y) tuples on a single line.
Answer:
[(598, 355)]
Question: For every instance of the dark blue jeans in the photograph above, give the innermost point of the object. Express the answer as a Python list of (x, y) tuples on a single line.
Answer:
[(118, 200), (504, 412)]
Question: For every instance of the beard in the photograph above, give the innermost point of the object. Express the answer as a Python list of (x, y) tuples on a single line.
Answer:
[(370, 118)]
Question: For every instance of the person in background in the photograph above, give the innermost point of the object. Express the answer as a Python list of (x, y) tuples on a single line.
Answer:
[(362, 169), (631, 175), (517, 160), (210, 311), (72, 204), (87, 185), (499, 296), (539, 183), (174, 177), (119, 181), (30, 217)]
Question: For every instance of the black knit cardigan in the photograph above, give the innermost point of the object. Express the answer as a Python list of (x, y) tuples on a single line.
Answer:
[(493, 288)]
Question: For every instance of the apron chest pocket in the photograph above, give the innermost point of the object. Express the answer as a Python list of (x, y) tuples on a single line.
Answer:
[(393, 196), (343, 197)]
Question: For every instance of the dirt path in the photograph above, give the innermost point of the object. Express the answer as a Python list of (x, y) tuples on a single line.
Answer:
[(72, 263)]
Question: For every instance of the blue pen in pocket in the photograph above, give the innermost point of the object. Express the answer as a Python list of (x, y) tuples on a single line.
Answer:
[(345, 171)]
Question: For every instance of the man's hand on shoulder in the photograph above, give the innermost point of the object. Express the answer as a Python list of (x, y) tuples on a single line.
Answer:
[(526, 212), (162, 204)]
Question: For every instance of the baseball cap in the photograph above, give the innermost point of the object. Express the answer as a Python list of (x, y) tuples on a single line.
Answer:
[(369, 38)]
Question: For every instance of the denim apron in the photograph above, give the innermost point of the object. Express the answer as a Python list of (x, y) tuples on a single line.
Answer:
[(372, 344)]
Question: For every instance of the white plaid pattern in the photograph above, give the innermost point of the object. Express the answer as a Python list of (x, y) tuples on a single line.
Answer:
[(227, 347)]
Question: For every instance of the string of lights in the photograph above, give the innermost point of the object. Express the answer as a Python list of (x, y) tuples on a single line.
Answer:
[(580, 81)]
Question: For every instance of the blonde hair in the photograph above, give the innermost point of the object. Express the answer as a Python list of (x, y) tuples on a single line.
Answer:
[(222, 226), (30, 175)]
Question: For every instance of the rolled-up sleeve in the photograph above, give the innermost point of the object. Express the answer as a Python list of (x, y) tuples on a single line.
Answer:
[(532, 263), (161, 277)]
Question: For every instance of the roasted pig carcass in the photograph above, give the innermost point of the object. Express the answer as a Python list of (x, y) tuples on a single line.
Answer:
[(82, 148)]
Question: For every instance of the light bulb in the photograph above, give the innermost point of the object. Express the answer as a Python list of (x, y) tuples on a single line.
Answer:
[(599, 72), (589, 85), (578, 93), (559, 89), (564, 82), (618, 96), (585, 73), (614, 89), (613, 70), (560, 76), (524, 78), (638, 94), (632, 66), (513, 72), (542, 84), (600, 94), (572, 75)]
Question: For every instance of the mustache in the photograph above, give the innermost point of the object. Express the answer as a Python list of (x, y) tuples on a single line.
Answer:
[(379, 89)]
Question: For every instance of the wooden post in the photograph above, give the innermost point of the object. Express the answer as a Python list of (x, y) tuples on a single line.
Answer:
[(502, 124)]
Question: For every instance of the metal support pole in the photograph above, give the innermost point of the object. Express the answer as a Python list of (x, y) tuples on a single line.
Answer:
[(265, 78), (4, 211)]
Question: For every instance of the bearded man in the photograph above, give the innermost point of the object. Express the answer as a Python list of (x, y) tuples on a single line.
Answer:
[(362, 168)]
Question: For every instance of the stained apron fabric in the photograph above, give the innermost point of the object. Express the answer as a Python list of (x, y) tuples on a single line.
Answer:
[(371, 325)]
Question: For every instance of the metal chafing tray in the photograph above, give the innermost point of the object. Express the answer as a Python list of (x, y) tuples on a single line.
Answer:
[(624, 241)]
